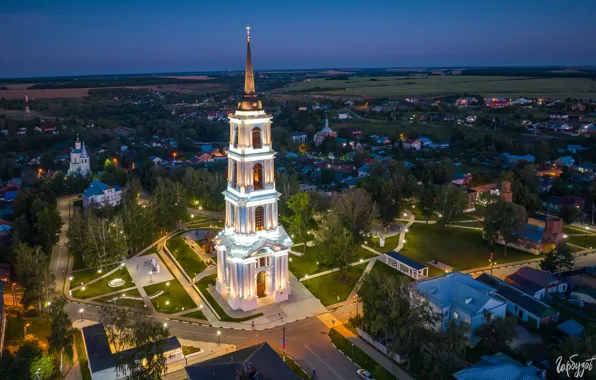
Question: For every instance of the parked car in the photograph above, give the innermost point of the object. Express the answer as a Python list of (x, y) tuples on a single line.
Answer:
[(576, 302), (364, 374)]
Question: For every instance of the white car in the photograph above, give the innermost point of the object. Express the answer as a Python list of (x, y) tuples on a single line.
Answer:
[(364, 374)]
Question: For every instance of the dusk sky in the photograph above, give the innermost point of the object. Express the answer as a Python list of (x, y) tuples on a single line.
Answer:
[(64, 37)]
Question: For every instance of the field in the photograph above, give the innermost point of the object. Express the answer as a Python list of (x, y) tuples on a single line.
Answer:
[(59, 93), (400, 86)]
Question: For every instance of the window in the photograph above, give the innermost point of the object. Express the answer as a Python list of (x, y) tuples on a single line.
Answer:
[(260, 218), (262, 262), (235, 140), (256, 138), (257, 175), (516, 308), (234, 173), (455, 315)]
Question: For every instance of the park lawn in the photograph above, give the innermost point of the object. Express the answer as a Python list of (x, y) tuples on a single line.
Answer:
[(82, 354), (359, 357), (383, 269), (101, 287), (331, 288), (198, 314), (174, 300), (415, 209), (475, 224), (39, 326), (202, 285), (85, 276), (582, 241), (186, 256), (307, 264), (390, 243), (457, 247), (136, 304)]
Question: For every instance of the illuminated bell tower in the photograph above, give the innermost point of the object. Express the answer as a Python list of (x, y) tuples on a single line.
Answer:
[(252, 251)]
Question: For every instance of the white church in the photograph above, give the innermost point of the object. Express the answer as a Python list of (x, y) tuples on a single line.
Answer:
[(252, 251), (79, 159)]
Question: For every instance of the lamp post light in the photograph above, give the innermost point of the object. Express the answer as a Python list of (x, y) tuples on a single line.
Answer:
[(81, 312), (150, 276), (165, 325), (167, 305), (168, 287), (83, 289), (25, 330), (218, 334)]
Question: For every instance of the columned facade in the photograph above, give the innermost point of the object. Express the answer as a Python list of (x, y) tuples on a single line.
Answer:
[(252, 251)]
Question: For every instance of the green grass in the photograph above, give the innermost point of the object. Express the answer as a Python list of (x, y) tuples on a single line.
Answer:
[(383, 269), (331, 288), (460, 248), (390, 243), (101, 287), (87, 275), (198, 314), (137, 304), (187, 350), (476, 224), (298, 371), (203, 284), (514, 87), (583, 241), (359, 357), (82, 354), (186, 256), (307, 264), (39, 326), (173, 300)]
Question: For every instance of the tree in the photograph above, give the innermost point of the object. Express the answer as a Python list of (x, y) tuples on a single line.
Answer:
[(569, 214), (104, 241), (503, 220), (29, 351), (558, 259), (496, 333), (61, 337), (76, 235), (168, 203), (451, 203), (301, 216), (139, 225), (356, 210), (339, 245), (42, 368), (428, 198)]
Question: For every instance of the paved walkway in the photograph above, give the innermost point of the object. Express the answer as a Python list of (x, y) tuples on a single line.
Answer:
[(373, 353), (72, 372)]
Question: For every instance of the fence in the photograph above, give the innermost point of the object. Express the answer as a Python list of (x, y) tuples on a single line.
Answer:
[(379, 346)]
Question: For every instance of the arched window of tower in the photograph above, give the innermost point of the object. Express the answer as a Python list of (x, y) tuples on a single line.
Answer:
[(259, 218), (257, 177), (256, 138)]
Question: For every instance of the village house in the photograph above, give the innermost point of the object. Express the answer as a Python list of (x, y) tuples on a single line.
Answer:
[(535, 282), (514, 159), (496, 102), (324, 133), (343, 115), (520, 304), (203, 157), (555, 203), (412, 144), (299, 137), (587, 168), (559, 116), (99, 194), (364, 170), (565, 161), (500, 366), (458, 297), (352, 132), (466, 102), (588, 129)]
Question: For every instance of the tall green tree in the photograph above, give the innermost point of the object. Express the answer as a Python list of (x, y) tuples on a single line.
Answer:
[(76, 235), (301, 215), (569, 214), (42, 368), (339, 245), (61, 337), (356, 210), (168, 203), (104, 241), (451, 202), (496, 333), (503, 221), (558, 259), (428, 199)]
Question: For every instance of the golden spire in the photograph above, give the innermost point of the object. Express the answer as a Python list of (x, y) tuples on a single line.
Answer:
[(249, 79)]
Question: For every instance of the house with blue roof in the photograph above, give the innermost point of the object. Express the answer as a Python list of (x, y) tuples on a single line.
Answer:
[(514, 159), (100, 194), (500, 367), (364, 170), (459, 298), (587, 168), (565, 161)]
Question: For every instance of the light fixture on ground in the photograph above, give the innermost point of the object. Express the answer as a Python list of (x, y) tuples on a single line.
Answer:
[(81, 312), (218, 334)]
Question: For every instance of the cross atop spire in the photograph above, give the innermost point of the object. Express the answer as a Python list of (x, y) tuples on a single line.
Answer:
[(248, 33), (249, 79)]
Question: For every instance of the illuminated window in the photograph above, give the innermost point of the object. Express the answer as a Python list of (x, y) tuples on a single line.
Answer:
[(257, 177), (235, 140), (234, 173), (256, 138), (455, 315), (260, 218)]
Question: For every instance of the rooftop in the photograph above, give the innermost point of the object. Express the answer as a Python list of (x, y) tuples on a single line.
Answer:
[(498, 367)]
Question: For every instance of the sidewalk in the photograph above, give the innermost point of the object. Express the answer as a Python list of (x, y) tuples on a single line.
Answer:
[(373, 353)]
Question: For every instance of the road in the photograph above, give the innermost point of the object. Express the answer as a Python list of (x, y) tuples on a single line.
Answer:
[(306, 340)]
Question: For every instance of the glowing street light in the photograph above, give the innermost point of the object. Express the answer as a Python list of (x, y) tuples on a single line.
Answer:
[(81, 312), (165, 325), (25, 329), (218, 334)]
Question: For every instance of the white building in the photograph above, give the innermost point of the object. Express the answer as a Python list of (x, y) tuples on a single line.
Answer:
[(79, 159), (458, 297), (100, 194), (252, 251)]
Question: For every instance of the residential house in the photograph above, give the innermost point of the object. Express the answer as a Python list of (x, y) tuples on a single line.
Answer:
[(353, 132), (588, 129), (343, 115), (203, 157), (448, 118), (349, 103), (565, 161), (364, 170), (102, 362), (470, 119), (100, 194), (307, 187), (299, 137), (458, 297), (377, 108), (466, 102), (340, 166), (500, 367), (496, 102), (324, 133), (578, 107), (460, 178), (520, 102), (536, 282), (555, 203), (587, 168), (258, 362), (5, 229), (156, 160), (544, 184), (514, 159), (302, 108), (520, 304), (412, 144), (427, 142), (559, 116), (575, 148)]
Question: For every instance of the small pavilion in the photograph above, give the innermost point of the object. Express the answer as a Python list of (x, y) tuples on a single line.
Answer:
[(406, 265)]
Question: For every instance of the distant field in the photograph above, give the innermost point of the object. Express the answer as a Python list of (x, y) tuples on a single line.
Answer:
[(193, 77), (19, 90), (401, 86)]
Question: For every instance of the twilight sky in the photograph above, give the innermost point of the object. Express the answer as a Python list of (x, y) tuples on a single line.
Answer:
[(66, 37)]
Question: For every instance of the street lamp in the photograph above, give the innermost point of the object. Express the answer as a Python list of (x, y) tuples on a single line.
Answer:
[(165, 325), (83, 289), (168, 287), (218, 334), (25, 329), (81, 312), (167, 305)]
